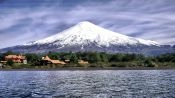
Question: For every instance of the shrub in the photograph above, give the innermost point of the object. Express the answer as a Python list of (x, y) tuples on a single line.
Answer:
[(10, 62), (149, 63)]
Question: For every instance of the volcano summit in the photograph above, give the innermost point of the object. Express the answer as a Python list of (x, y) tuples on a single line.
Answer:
[(86, 36)]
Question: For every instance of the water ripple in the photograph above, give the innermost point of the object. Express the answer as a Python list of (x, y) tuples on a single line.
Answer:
[(88, 84)]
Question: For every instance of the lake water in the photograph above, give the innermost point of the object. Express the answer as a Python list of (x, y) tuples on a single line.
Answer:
[(88, 84)]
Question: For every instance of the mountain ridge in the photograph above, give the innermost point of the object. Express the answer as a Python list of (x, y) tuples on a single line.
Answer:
[(87, 37)]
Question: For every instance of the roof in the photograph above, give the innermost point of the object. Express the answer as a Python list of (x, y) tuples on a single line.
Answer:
[(82, 62), (53, 61), (15, 56), (46, 58), (3, 61), (57, 62)]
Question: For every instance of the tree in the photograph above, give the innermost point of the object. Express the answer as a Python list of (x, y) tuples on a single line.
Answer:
[(53, 55), (10, 62), (149, 63), (140, 57), (104, 57), (94, 57), (166, 58), (129, 57), (73, 58), (32, 58), (1, 57), (116, 58)]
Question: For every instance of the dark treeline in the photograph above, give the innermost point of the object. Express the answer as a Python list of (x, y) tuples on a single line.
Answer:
[(102, 58), (95, 57)]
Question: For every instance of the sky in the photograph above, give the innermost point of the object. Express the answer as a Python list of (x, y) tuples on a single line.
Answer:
[(23, 21)]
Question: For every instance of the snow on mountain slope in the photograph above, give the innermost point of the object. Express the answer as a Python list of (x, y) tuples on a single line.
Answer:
[(86, 32)]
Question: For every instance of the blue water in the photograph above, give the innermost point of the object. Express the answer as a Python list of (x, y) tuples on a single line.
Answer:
[(88, 84)]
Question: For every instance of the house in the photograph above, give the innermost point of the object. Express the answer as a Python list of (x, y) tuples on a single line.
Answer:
[(67, 61), (47, 60), (2, 63), (16, 58), (82, 62)]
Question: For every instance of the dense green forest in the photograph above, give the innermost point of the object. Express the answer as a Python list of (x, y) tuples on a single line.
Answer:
[(97, 59)]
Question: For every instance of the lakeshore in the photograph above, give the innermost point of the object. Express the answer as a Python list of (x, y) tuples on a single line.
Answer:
[(85, 61), (87, 69)]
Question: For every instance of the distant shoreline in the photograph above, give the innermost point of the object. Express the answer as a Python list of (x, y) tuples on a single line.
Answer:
[(87, 69)]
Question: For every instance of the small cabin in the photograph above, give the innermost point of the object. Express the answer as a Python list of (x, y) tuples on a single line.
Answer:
[(46, 60), (67, 61), (83, 62), (2, 63)]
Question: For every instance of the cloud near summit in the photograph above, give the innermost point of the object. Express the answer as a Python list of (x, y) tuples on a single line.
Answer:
[(22, 21)]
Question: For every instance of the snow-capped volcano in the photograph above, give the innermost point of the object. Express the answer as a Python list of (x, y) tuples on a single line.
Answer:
[(86, 36), (85, 33)]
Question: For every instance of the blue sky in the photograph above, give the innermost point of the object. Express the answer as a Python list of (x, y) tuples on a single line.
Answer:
[(22, 21)]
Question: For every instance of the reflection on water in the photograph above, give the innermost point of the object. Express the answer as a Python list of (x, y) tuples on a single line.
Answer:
[(88, 84)]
